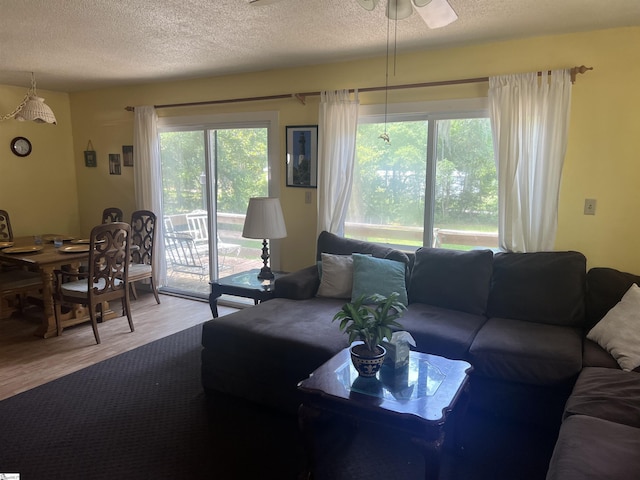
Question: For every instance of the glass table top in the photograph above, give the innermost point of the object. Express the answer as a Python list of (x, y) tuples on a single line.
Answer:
[(426, 388), (416, 380), (249, 279)]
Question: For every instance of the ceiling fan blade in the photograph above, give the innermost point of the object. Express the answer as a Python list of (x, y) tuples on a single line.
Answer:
[(259, 3), (435, 13)]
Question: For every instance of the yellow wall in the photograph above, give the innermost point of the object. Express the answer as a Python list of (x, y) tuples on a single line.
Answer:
[(38, 191), (602, 158)]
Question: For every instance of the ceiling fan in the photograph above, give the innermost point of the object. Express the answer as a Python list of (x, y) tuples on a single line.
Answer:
[(435, 13)]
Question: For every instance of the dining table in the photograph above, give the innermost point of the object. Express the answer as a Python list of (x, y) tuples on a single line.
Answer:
[(45, 254)]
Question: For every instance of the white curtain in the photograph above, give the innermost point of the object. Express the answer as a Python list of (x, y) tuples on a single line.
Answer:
[(530, 122), (147, 176), (337, 128)]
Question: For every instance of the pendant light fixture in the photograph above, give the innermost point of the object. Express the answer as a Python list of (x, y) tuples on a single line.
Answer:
[(435, 13), (32, 108)]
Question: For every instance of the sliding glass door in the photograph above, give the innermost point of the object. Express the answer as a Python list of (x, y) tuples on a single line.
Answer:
[(209, 173)]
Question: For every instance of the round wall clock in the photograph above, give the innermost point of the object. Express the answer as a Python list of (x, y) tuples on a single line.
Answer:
[(20, 146)]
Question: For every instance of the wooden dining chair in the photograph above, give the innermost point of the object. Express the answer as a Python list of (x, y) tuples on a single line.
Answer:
[(143, 236), (112, 214), (14, 287), (6, 234), (107, 277)]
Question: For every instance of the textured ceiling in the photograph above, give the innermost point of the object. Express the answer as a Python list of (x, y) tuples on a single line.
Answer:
[(75, 45)]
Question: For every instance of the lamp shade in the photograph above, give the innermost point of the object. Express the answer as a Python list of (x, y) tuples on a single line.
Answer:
[(264, 219), (36, 110)]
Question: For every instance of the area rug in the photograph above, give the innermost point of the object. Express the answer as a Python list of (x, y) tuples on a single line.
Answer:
[(143, 415)]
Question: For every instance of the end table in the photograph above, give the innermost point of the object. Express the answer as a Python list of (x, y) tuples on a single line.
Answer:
[(243, 284)]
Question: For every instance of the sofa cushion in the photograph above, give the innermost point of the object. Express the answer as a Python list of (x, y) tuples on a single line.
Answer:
[(619, 331), (605, 288), (608, 394), (336, 277), (590, 448), (544, 287), (298, 285), (381, 276), (593, 355), (452, 279), (331, 243), (527, 352), (441, 331)]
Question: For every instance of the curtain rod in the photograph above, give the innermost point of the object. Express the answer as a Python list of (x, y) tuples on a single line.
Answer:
[(302, 96)]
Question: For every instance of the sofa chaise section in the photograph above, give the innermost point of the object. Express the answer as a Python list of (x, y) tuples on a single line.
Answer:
[(261, 353)]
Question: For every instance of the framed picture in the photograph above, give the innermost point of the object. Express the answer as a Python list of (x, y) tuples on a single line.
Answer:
[(90, 159), (127, 155), (114, 164), (302, 156)]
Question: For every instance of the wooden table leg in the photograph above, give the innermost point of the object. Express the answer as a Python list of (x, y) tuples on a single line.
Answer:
[(48, 327), (306, 418), (431, 451), (213, 304)]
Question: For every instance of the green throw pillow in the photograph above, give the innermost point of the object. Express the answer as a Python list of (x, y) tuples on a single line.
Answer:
[(373, 275)]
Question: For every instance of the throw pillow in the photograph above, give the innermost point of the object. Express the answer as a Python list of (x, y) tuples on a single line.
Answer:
[(336, 279), (373, 275), (619, 330)]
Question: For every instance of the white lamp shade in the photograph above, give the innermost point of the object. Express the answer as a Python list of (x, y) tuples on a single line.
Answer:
[(37, 111), (264, 219)]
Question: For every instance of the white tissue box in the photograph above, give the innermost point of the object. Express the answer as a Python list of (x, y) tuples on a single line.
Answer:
[(398, 349)]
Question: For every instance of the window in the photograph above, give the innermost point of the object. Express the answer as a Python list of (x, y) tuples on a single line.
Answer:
[(434, 183)]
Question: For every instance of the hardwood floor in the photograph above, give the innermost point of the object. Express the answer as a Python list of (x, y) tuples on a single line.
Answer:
[(27, 361)]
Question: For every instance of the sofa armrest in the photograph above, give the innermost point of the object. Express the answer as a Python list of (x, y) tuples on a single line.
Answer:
[(298, 285)]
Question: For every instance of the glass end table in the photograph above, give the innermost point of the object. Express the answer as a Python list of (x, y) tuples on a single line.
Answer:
[(244, 284)]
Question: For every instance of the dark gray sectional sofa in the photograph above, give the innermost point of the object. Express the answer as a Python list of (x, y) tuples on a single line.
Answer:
[(519, 319)]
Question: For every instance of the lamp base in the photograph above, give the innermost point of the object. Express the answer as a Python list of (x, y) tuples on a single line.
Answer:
[(266, 274), (265, 271)]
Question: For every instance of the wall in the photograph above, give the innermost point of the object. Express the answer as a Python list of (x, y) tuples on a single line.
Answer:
[(601, 162), (39, 191)]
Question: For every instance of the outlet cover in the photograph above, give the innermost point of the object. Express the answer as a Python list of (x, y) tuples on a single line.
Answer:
[(590, 206)]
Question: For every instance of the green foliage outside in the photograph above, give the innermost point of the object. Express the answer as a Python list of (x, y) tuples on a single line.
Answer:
[(390, 178), (241, 168)]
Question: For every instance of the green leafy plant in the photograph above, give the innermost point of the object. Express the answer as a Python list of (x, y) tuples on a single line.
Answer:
[(370, 322)]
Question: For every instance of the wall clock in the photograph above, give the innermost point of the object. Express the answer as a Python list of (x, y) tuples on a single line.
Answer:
[(20, 146)]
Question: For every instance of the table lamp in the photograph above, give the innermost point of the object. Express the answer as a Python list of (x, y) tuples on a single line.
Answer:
[(264, 220)]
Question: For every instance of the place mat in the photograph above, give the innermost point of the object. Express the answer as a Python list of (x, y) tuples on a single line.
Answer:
[(84, 241), (74, 249), (25, 249)]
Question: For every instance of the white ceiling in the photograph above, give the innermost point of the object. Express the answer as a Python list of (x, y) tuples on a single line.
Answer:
[(74, 45)]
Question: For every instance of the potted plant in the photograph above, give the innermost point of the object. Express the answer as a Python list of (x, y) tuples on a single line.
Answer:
[(369, 319)]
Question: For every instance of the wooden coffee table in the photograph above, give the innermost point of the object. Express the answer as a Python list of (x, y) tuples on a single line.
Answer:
[(415, 400)]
